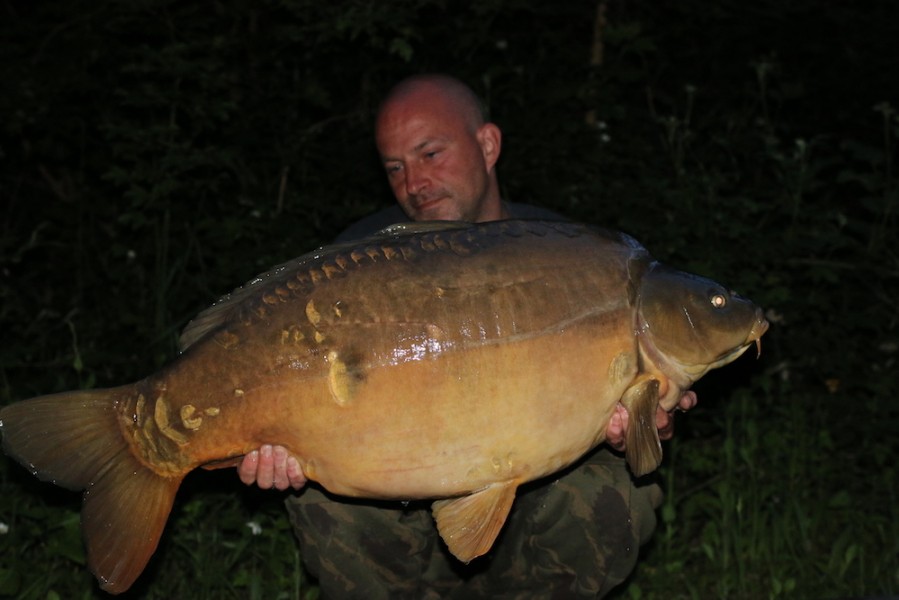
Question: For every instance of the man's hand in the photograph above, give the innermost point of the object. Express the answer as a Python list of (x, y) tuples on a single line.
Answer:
[(615, 434), (271, 467)]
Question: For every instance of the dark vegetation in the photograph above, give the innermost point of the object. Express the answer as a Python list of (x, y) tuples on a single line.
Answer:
[(155, 154)]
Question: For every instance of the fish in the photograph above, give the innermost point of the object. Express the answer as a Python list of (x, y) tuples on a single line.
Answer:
[(442, 361)]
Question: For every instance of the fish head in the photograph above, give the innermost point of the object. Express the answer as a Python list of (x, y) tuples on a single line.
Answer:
[(688, 325)]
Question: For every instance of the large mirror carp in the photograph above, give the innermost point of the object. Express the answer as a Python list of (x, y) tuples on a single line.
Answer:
[(444, 361)]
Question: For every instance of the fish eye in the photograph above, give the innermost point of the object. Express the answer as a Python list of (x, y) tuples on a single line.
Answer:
[(718, 300)]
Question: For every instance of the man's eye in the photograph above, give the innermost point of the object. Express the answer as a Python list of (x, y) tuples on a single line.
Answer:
[(432, 153)]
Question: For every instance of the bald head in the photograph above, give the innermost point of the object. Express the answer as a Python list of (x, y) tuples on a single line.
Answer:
[(460, 98), (439, 152)]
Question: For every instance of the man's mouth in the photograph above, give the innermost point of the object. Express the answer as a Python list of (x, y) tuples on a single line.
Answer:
[(429, 204)]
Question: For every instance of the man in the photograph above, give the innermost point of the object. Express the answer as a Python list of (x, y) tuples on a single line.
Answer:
[(574, 535)]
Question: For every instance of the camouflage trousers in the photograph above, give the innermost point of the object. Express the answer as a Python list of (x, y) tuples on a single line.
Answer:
[(574, 535)]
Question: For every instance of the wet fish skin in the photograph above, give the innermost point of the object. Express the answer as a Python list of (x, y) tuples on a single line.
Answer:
[(442, 361)]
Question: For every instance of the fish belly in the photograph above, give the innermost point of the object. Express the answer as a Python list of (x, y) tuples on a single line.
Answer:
[(453, 423)]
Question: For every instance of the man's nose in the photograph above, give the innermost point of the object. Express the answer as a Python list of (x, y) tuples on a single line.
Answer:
[(416, 180)]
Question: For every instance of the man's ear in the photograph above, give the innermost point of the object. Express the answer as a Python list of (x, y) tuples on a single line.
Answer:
[(491, 140)]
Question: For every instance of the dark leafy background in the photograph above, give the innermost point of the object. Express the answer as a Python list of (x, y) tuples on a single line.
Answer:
[(155, 154)]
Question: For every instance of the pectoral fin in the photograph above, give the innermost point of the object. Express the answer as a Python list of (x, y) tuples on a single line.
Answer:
[(469, 524), (644, 450)]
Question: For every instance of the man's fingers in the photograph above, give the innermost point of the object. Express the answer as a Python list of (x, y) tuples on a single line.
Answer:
[(265, 473), (665, 424), (615, 432), (246, 470), (271, 467), (687, 401), (279, 468), (295, 473)]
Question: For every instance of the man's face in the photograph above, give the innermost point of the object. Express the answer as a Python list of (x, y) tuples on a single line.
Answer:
[(434, 158)]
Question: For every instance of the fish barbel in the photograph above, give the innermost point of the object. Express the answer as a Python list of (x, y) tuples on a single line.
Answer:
[(444, 361)]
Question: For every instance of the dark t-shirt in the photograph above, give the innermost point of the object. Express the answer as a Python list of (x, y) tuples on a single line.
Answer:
[(394, 214)]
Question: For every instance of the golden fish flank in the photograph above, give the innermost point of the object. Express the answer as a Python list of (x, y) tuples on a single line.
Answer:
[(622, 367), (292, 336), (430, 342), (189, 418), (502, 465), (314, 318), (161, 415), (312, 314), (339, 380), (496, 466), (153, 437), (226, 339), (432, 331)]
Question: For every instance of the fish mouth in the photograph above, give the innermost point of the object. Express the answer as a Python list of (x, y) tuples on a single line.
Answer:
[(754, 337)]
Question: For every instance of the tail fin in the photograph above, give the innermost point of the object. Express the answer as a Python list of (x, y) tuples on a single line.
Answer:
[(74, 440)]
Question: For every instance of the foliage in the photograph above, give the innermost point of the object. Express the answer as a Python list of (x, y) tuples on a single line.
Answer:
[(155, 154)]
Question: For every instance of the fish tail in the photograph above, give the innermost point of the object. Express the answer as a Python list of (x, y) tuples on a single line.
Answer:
[(74, 440)]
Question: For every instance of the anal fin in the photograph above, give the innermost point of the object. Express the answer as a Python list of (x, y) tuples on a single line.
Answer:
[(644, 449), (469, 524)]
